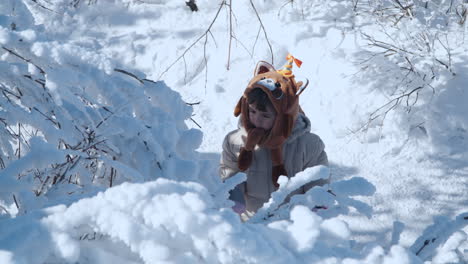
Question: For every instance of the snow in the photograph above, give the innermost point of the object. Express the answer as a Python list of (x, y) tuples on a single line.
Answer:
[(4, 36), (109, 144), (303, 228)]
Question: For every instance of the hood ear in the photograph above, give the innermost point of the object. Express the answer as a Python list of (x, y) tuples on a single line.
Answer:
[(262, 67), (238, 108), (301, 87)]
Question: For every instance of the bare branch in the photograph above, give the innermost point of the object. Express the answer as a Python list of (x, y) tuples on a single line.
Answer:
[(389, 106), (230, 34), (449, 54), (204, 35), (285, 4), (243, 46), (206, 61), (264, 31), (256, 39), (385, 45)]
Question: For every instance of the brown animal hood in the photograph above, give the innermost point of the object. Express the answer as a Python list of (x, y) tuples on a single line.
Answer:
[(283, 92)]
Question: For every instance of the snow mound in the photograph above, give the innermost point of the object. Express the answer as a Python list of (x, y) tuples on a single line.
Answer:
[(167, 221)]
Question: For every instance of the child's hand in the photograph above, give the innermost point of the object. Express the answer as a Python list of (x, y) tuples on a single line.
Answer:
[(277, 171), (245, 159), (245, 156)]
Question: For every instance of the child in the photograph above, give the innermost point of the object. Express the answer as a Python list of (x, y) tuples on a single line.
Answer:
[(273, 137)]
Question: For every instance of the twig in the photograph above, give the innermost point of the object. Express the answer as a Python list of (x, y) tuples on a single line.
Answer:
[(426, 242), (256, 39), (185, 71), (4, 209), (385, 45), (230, 34), (441, 62), (243, 46), (19, 140), (129, 74), (26, 60), (285, 4), (450, 7), (393, 104), (112, 176), (205, 34), (104, 120), (355, 5), (206, 62), (6, 96), (5, 90), (449, 54), (264, 31), (462, 14), (48, 118), (60, 177), (16, 202), (195, 122), (2, 163), (25, 141), (46, 8), (41, 188)]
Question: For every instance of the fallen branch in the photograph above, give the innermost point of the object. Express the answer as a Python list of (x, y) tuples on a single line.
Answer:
[(436, 235), (23, 58), (195, 122), (129, 74)]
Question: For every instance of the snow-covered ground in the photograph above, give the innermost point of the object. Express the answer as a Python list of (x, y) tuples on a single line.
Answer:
[(113, 93)]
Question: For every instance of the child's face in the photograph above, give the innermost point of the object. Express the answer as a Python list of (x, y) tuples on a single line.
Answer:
[(262, 119)]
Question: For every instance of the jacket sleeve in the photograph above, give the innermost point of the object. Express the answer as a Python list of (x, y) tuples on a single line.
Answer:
[(314, 155), (228, 162)]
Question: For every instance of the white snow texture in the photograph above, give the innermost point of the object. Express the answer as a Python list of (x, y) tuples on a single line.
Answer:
[(111, 127)]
